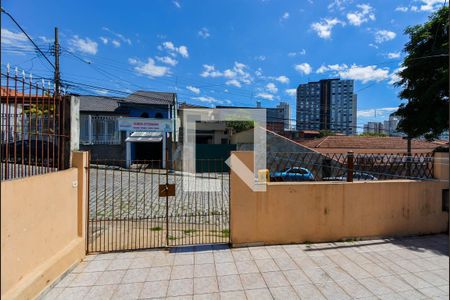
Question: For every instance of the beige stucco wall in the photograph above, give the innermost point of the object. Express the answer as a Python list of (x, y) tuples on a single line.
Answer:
[(41, 236), (324, 211), (440, 166)]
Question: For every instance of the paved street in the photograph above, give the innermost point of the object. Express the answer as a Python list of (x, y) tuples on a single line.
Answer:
[(403, 268)]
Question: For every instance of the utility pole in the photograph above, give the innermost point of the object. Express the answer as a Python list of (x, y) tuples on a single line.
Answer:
[(57, 74)]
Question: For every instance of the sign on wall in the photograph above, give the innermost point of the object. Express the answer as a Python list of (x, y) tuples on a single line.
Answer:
[(145, 124)]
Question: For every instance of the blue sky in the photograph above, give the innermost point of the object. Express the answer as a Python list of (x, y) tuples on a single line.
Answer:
[(220, 52)]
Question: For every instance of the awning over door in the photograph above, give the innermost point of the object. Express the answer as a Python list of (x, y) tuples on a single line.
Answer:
[(152, 137)]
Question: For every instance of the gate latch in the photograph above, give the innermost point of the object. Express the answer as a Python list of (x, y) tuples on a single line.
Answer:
[(166, 190)]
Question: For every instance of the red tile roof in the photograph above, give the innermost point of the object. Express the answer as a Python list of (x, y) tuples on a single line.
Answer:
[(360, 142)]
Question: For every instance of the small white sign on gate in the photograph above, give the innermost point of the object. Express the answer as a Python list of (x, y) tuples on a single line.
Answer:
[(145, 124)]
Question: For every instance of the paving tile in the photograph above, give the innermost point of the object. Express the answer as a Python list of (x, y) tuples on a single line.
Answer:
[(241, 255), (337, 274), (223, 257), (85, 279), (154, 289), (183, 271), (283, 293), (128, 291), (412, 294), (204, 270), (66, 280), (183, 259), (110, 277), (332, 291), (317, 275), (229, 283), (275, 279), (126, 255), (183, 297), (97, 266), (395, 284), (163, 261), (74, 293), (259, 253), (308, 291), (80, 267), (205, 285), (135, 275), (245, 267), (181, 287), (375, 270), (444, 288), (258, 294), (296, 277), (375, 286), (285, 263), (277, 252), (355, 289), (203, 258), (214, 296), (322, 261), (52, 293), (432, 292), (158, 273), (432, 278), (141, 262), (223, 269), (304, 262), (266, 265), (414, 280), (252, 281), (119, 264), (101, 292)]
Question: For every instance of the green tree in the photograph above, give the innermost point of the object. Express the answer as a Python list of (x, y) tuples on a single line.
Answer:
[(239, 126), (424, 78)]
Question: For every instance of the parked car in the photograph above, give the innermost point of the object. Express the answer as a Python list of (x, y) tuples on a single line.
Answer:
[(292, 174), (357, 176), (40, 152)]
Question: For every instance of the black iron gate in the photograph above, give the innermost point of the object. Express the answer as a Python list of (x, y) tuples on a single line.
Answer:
[(147, 206)]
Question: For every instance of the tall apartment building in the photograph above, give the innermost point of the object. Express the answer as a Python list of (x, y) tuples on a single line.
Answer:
[(328, 104), (390, 126), (286, 114), (374, 127)]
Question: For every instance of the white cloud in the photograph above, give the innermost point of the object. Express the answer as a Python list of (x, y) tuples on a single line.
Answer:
[(285, 16), (401, 9), (177, 4), (382, 36), (393, 55), (173, 50), (324, 27), (115, 43), (193, 89), (149, 68), (334, 68), (364, 74), (209, 99), (167, 60), (431, 5), (260, 58), (271, 88), (338, 4), (363, 15), (18, 40), (119, 36), (291, 92), (204, 33), (394, 77), (86, 45), (104, 40), (376, 112), (294, 54), (233, 82), (265, 96), (235, 76), (303, 68), (282, 79)]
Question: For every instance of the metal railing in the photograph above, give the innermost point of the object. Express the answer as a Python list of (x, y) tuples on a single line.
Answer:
[(128, 212), (99, 130), (341, 166), (33, 135)]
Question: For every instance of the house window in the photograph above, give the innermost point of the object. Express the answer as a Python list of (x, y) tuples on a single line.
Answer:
[(99, 130), (144, 115), (158, 115)]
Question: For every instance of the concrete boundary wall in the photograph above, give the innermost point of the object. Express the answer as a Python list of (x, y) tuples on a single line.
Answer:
[(293, 212), (42, 228)]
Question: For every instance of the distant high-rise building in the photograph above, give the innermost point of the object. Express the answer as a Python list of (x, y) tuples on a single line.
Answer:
[(328, 104), (374, 127), (390, 126), (286, 114)]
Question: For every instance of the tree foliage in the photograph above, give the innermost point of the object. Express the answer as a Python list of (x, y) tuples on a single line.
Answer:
[(239, 126), (424, 78)]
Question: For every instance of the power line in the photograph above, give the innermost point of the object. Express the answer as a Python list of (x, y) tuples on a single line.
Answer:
[(28, 37)]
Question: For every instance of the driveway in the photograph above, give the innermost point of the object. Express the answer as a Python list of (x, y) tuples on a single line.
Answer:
[(402, 268)]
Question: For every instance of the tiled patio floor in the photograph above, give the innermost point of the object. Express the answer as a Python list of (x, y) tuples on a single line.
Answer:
[(406, 268)]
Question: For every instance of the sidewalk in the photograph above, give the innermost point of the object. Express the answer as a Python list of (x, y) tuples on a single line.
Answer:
[(404, 268)]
